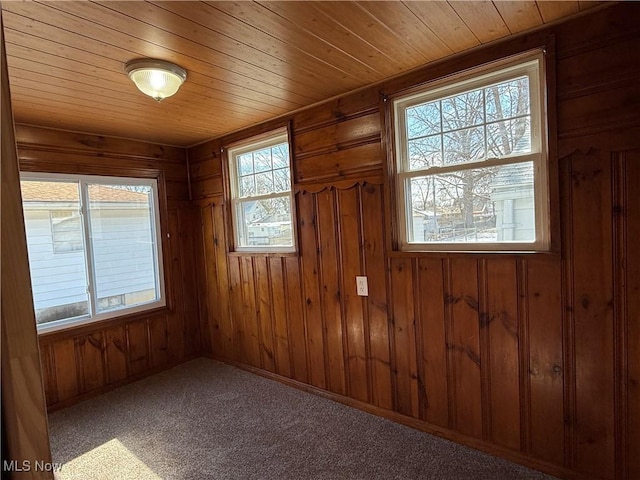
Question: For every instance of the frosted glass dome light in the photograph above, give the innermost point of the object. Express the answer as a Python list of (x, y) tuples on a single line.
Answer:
[(156, 78)]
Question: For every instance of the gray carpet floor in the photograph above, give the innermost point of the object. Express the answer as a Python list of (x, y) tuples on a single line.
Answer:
[(208, 420)]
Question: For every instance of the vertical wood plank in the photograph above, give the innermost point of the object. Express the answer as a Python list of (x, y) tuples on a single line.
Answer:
[(158, 341), (434, 353), (211, 300), (377, 303), (187, 268), (331, 293), (592, 253), (117, 362), (223, 309), (297, 326), (237, 311), (546, 368), (66, 369), (252, 329), (91, 361), (632, 295), (48, 374), (280, 315), (568, 326), (176, 323), (406, 369), (465, 346), (310, 276), (138, 353), (263, 298), (203, 279), (24, 417), (350, 241), (501, 320)]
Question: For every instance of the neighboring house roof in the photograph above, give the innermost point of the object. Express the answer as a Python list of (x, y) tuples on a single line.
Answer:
[(513, 176), (33, 191)]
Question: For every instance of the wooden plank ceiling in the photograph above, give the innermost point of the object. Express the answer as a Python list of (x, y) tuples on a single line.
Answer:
[(246, 61)]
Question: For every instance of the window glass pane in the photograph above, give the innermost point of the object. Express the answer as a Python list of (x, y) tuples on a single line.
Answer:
[(66, 231), (463, 110), (463, 146), (281, 180), (280, 155), (245, 164), (477, 205), (425, 152), (509, 137), (507, 100), (56, 253), (265, 222), (247, 186), (262, 160), (264, 183), (423, 120), (123, 243)]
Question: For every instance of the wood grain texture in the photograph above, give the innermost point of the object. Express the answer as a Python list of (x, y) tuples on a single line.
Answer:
[(25, 436), (502, 322), (531, 355), (127, 347), (247, 62), (631, 311), (435, 371), (593, 309), (545, 371)]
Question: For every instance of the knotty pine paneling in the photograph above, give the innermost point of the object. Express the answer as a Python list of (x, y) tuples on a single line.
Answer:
[(93, 358), (532, 357)]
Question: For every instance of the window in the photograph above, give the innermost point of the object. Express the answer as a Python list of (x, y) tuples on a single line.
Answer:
[(471, 161), (261, 198), (66, 231), (94, 247)]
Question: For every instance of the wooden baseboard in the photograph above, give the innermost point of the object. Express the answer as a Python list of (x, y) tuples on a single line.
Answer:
[(486, 447)]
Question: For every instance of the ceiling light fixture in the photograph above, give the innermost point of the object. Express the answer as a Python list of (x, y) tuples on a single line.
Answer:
[(156, 78)]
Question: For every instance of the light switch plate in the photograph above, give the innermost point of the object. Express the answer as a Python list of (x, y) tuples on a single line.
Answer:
[(362, 287)]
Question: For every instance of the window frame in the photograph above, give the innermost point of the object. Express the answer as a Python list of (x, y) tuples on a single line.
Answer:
[(474, 78), (230, 153), (93, 316)]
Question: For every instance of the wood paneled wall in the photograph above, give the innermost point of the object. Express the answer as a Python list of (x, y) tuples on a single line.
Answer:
[(532, 357), (86, 360), (25, 438)]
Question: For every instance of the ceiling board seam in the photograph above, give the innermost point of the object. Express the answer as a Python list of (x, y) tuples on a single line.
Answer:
[(223, 68), (324, 41), (273, 71), (256, 48), (216, 79), (362, 39), (394, 33)]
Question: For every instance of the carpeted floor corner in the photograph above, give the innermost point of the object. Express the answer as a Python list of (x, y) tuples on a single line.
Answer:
[(208, 420)]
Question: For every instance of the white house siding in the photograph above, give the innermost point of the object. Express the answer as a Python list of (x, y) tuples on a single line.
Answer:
[(123, 253), (56, 279)]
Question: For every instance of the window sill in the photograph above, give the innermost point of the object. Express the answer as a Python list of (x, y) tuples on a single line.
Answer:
[(472, 253), (92, 326), (263, 254)]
